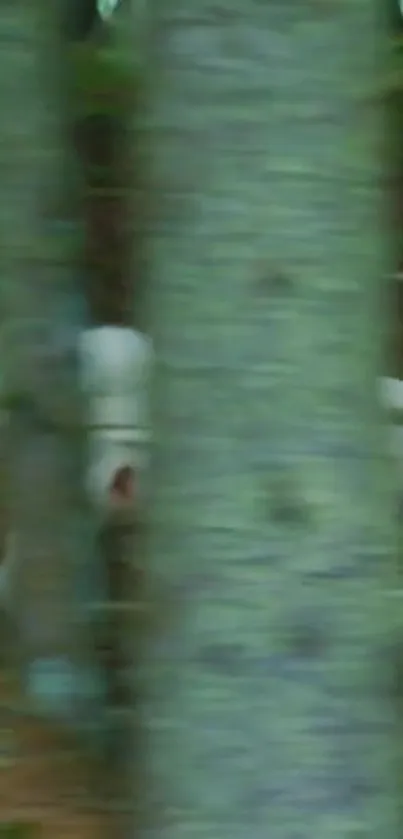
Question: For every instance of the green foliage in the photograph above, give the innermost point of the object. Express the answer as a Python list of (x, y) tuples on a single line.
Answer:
[(394, 73), (101, 82)]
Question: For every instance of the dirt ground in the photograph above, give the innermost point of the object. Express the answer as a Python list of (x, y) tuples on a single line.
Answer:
[(42, 784)]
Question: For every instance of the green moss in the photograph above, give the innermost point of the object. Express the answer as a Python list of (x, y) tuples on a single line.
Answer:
[(100, 81)]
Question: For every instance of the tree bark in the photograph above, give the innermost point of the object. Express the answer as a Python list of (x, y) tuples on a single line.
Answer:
[(42, 314), (269, 677)]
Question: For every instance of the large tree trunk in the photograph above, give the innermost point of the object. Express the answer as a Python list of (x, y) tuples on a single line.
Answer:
[(42, 314), (271, 547)]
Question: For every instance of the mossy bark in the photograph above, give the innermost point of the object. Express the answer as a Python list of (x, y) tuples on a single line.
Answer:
[(270, 678)]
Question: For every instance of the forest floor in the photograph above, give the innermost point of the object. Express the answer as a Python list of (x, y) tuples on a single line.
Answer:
[(40, 783)]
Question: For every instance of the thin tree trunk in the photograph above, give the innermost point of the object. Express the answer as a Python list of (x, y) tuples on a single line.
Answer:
[(42, 316), (270, 709)]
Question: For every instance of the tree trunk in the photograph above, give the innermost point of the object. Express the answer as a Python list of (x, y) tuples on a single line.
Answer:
[(269, 677), (42, 314)]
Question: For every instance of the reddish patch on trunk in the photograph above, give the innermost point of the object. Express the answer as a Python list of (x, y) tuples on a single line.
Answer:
[(122, 486)]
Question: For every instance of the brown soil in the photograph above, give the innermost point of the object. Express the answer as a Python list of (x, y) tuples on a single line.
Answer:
[(43, 783)]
